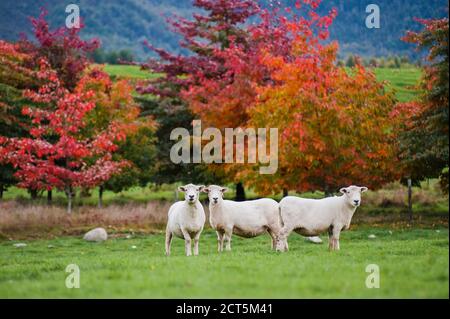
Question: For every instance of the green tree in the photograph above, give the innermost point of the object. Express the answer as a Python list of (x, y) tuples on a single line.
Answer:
[(140, 150), (169, 114), (350, 61), (425, 141)]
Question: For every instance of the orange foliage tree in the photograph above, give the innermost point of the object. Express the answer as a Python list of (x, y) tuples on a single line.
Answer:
[(335, 129)]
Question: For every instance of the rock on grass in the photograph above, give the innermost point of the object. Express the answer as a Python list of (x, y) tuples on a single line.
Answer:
[(97, 234)]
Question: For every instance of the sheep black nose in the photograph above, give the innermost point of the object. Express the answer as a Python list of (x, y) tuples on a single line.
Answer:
[(215, 198), (356, 201), (191, 196)]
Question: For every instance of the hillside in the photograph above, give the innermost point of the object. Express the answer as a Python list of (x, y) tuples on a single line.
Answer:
[(125, 24)]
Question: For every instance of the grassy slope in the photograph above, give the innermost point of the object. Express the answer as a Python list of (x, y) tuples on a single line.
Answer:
[(401, 80), (413, 263), (128, 71)]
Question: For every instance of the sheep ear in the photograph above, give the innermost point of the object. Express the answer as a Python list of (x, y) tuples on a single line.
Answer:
[(205, 190), (364, 189), (343, 190), (224, 189), (200, 188), (181, 188)]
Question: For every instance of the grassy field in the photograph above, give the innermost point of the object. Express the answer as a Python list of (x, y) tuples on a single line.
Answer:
[(412, 263)]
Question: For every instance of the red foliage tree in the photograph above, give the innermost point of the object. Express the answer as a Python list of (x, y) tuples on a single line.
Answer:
[(201, 36), (58, 155), (63, 48), (14, 77)]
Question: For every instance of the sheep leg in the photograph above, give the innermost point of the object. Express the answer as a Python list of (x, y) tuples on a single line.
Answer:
[(196, 240), (228, 239), (169, 237), (330, 238), (187, 242), (274, 238), (336, 234), (219, 241), (333, 235)]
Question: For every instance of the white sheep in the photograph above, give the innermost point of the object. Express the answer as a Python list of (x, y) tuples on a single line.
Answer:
[(246, 219), (186, 219), (310, 217)]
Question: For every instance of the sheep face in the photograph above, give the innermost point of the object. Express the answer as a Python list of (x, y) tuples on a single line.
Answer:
[(215, 193), (353, 194), (191, 192)]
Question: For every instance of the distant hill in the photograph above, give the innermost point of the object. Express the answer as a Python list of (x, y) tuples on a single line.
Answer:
[(126, 23)]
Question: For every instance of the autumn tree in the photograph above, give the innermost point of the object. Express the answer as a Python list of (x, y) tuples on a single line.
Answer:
[(62, 47), (335, 127), (67, 54), (15, 76), (424, 140), (57, 154)]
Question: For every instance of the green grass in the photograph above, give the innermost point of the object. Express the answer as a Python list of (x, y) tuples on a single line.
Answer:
[(400, 80), (413, 264), (129, 71)]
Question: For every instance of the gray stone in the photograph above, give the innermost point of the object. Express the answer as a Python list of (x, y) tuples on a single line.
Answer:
[(97, 234)]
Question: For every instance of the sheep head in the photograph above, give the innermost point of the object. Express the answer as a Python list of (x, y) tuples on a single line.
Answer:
[(353, 194), (215, 193), (191, 192)]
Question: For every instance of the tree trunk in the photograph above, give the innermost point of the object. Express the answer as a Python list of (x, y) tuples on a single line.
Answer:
[(410, 211), (240, 192), (49, 197), (33, 193), (100, 196), (1, 191), (327, 192), (69, 200), (285, 192)]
